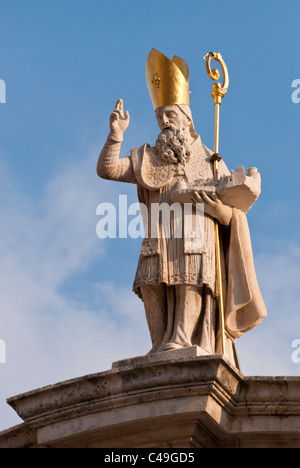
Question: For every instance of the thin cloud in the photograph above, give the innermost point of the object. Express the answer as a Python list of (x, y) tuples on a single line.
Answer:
[(267, 349), (49, 335)]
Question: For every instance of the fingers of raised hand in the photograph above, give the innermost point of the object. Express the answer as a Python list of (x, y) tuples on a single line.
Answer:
[(119, 108), (115, 116), (127, 116), (119, 105)]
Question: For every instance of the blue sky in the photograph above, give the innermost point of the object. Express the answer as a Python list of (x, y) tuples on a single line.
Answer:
[(66, 303)]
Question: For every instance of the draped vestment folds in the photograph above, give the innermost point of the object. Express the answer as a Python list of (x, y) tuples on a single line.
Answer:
[(168, 263)]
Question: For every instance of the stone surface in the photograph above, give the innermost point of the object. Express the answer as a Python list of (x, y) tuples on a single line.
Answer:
[(173, 355), (197, 402), (238, 190)]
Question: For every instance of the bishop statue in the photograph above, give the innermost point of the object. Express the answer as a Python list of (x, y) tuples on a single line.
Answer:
[(176, 275)]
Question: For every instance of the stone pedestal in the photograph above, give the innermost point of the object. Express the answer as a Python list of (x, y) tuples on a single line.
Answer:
[(179, 399)]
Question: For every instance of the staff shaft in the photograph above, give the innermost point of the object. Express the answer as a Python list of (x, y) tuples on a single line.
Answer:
[(217, 128), (219, 92), (217, 241)]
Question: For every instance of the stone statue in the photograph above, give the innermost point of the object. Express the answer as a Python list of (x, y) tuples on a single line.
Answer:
[(176, 275)]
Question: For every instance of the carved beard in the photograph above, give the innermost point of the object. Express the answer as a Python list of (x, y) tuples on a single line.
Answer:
[(172, 146)]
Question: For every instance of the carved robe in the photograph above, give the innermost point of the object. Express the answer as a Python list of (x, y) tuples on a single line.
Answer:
[(168, 263), (166, 260), (170, 260)]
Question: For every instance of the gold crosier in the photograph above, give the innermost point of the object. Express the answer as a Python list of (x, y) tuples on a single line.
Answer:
[(218, 93)]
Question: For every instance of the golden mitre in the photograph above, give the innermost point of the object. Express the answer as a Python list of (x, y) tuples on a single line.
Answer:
[(167, 80)]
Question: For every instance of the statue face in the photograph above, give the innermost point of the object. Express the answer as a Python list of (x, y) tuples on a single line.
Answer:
[(170, 117), (173, 142)]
